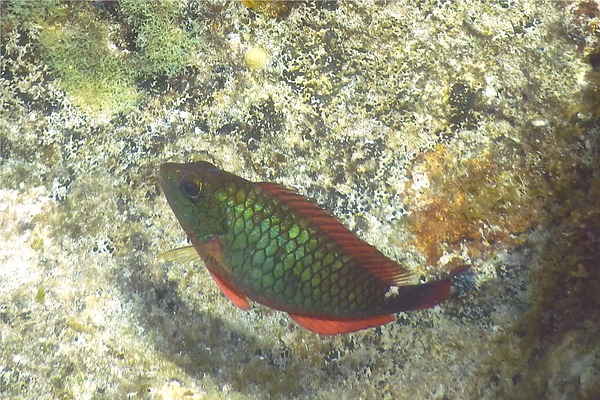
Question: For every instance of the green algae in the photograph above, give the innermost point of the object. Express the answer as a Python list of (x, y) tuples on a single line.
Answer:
[(98, 78), (33, 11), (101, 62), (163, 45), (75, 44)]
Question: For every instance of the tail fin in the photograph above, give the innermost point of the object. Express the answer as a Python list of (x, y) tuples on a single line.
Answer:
[(420, 297)]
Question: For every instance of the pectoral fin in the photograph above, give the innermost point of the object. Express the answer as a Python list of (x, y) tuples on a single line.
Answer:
[(209, 253), (180, 255)]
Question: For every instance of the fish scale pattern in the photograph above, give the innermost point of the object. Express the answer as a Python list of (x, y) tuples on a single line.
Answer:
[(288, 264)]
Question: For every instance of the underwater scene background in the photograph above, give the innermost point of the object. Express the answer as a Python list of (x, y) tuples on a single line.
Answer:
[(444, 133)]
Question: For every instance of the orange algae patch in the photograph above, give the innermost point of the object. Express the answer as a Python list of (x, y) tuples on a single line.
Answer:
[(477, 203)]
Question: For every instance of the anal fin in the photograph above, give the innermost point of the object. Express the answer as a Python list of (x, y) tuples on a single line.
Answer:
[(324, 326)]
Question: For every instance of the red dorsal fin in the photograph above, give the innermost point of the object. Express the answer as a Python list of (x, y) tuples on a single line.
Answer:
[(324, 326), (236, 297), (366, 255)]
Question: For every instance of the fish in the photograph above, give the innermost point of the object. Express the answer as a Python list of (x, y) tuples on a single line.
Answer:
[(263, 242)]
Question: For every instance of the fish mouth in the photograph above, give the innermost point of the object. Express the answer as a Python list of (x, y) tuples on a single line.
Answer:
[(168, 180), (161, 179)]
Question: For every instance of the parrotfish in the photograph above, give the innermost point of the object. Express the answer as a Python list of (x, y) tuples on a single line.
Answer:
[(264, 242)]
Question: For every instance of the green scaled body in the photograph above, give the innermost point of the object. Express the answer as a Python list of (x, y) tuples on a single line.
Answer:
[(267, 243)]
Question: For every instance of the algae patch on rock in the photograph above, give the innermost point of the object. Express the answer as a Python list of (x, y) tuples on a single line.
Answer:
[(101, 58)]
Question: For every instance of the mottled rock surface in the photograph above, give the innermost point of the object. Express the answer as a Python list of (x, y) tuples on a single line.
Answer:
[(442, 132)]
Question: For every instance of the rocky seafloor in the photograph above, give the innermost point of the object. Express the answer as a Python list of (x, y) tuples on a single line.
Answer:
[(444, 133)]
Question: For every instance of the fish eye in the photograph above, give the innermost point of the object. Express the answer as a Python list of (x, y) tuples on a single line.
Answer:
[(191, 186)]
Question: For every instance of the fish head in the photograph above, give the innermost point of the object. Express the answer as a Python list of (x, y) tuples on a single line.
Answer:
[(193, 192)]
